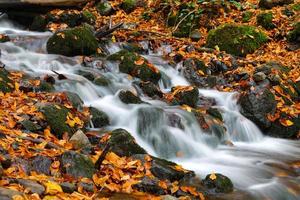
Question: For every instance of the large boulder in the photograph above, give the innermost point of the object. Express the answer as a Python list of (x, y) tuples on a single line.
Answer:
[(238, 40), (268, 4), (99, 118), (135, 65), (123, 144), (77, 165), (187, 95), (129, 98), (73, 42), (56, 117), (219, 183), (256, 105)]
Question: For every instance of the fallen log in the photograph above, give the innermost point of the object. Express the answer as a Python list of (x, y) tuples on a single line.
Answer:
[(30, 3)]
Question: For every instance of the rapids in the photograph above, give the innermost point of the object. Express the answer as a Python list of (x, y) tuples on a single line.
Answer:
[(256, 163)]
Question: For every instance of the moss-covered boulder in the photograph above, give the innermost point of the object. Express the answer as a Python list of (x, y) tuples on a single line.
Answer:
[(45, 87), (133, 64), (99, 118), (246, 16), (219, 183), (268, 4), (294, 35), (30, 126), (129, 98), (102, 81), (88, 17), (185, 95), (129, 5), (73, 42), (56, 117), (150, 89), (104, 8), (238, 40), (5, 83), (256, 105), (265, 20), (77, 165), (4, 38), (75, 99), (123, 144)]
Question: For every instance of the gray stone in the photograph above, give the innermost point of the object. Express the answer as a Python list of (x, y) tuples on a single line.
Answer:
[(79, 140), (68, 187), (41, 164), (259, 76), (32, 186), (8, 194)]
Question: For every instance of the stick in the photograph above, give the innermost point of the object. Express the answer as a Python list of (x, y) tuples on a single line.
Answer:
[(102, 33)]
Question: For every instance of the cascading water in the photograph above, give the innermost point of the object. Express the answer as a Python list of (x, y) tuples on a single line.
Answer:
[(257, 164)]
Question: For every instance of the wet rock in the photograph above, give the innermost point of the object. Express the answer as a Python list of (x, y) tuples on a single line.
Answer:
[(129, 5), (75, 100), (45, 87), (256, 105), (129, 98), (77, 165), (4, 38), (73, 42), (39, 23), (265, 20), (79, 140), (8, 194), (134, 47), (185, 95), (268, 67), (31, 186), (30, 126), (150, 89), (99, 118), (219, 183), (294, 35), (86, 74), (104, 8), (191, 69), (70, 17), (41, 164), (102, 81), (214, 112), (56, 117), (268, 4), (259, 76), (5, 82), (135, 65), (217, 66), (281, 131), (234, 39), (165, 170), (149, 185), (195, 36), (68, 187), (123, 144), (174, 120)]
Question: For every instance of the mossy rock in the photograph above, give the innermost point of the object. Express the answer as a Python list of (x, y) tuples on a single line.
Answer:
[(75, 100), (129, 5), (129, 66), (77, 165), (123, 144), (214, 112), (294, 35), (39, 23), (102, 81), (73, 42), (86, 74), (185, 95), (99, 118), (246, 16), (88, 17), (268, 4), (104, 8), (4, 38), (281, 131), (56, 117), (218, 182), (265, 20), (45, 87), (72, 19), (238, 40), (6, 84), (129, 98), (150, 89)]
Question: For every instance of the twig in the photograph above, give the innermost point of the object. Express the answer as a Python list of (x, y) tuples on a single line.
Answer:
[(102, 32), (176, 27), (102, 156)]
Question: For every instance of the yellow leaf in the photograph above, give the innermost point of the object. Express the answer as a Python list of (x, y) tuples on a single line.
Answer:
[(17, 86), (286, 122), (18, 197), (213, 176), (52, 188)]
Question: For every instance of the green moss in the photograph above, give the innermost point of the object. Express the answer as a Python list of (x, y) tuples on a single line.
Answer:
[(89, 17), (265, 20), (30, 126), (98, 118), (102, 81), (294, 35), (238, 40), (219, 182), (246, 16), (73, 42), (129, 5), (5, 82), (46, 87), (296, 7), (56, 117), (104, 8)]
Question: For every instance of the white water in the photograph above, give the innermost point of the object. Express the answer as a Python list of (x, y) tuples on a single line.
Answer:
[(255, 163)]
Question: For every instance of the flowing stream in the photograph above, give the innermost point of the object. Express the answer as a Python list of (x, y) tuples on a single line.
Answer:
[(256, 163)]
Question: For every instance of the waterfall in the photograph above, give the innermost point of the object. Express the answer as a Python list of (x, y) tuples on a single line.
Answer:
[(255, 163)]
